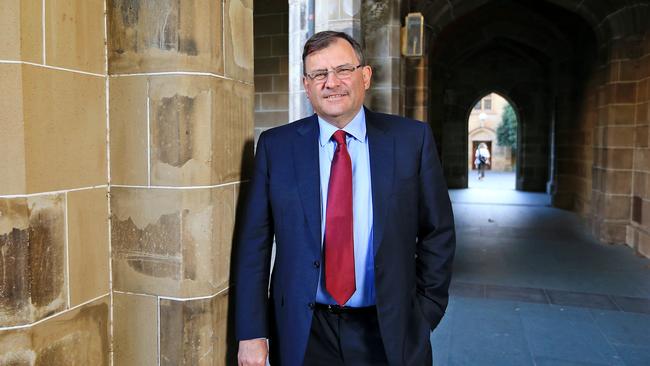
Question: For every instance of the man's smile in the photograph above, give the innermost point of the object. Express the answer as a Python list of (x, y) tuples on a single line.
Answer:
[(335, 96)]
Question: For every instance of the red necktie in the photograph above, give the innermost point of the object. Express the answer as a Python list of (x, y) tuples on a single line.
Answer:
[(339, 240)]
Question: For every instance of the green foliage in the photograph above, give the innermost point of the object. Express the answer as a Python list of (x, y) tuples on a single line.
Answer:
[(507, 130)]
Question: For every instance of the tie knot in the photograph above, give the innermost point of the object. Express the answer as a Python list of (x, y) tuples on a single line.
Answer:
[(339, 137)]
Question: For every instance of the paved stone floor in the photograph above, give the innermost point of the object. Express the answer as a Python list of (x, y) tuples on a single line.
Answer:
[(531, 287), (492, 180)]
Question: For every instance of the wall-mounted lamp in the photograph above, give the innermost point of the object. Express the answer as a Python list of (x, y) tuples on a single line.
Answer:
[(413, 35)]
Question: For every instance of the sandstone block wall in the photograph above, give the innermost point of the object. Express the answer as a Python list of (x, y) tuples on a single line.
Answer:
[(54, 244), (181, 116), (636, 71), (127, 132)]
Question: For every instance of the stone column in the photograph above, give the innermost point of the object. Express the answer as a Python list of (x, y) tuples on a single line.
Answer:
[(181, 131), (301, 27), (381, 37), (416, 98), (615, 158), (54, 248), (625, 182)]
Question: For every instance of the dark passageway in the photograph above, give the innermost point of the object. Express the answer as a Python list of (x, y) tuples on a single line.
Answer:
[(577, 73), (535, 282), (535, 53)]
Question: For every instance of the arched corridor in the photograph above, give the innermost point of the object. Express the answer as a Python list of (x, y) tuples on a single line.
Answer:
[(534, 52), (535, 284), (577, 73)]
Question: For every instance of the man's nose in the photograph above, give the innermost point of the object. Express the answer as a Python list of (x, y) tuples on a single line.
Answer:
[(332, 80)]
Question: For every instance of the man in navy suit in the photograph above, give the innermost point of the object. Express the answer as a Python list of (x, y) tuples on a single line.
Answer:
[(363, 228)]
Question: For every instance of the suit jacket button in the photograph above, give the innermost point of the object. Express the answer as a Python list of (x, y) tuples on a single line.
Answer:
[(316, 264), (311, 305)]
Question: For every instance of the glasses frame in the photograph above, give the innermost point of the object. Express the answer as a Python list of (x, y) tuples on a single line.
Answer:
[(311, 75)]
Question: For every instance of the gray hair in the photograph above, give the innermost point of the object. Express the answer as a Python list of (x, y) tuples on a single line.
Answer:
[(323, 39)]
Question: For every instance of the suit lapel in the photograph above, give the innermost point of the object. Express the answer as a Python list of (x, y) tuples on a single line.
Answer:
[(382, 155), (305, 155)]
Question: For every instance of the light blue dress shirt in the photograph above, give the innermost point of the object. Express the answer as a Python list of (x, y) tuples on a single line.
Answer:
[(357, 142)]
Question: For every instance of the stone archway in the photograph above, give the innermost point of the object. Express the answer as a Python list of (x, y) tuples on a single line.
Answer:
[(577, 73), (484, 119), (530, 57)]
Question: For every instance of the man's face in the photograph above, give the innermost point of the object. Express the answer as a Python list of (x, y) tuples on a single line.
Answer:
[(336, 99)]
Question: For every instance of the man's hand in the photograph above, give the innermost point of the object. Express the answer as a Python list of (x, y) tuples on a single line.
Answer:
[(253, 352)]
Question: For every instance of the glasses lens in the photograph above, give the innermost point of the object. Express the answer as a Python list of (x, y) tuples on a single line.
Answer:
[(320, 75), (344, 71)]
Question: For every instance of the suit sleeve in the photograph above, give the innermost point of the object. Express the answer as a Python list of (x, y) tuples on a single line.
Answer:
[(436, 235), (253, 253)]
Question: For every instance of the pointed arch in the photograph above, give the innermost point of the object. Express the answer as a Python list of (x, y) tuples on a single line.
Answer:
[(483, 116)]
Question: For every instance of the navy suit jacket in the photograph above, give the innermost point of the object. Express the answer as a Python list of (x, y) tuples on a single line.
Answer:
[(413, 243)]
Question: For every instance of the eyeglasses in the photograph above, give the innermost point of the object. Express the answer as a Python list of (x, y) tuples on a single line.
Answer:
[(341, 72)]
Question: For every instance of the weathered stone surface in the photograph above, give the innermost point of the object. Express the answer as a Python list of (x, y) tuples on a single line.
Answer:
[(235, 123), (612, 232), (619, 136), (193, 332), (88, 244), (74, 34), (77, 337), (616, 208), (642, 89), (275, 101), (65, 139), (642, 113), (167, 35), (199, 130), (642, 159), (639, 185), (621, 114), (172, 242), (268, 119), (32, 247), (383, 100), (263, 83), (238, 38), (619, 158), (129, 135), (12, 150), (621, 93), (21, 30), (385, 72), (182, 111), (135, 332), (618, 182), (643, 243), (641, 136)]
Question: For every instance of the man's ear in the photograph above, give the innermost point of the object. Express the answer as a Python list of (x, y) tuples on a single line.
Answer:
[(366, 73), (305, 84)]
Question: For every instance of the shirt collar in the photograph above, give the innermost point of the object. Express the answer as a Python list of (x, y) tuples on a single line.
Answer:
[(356, 128)]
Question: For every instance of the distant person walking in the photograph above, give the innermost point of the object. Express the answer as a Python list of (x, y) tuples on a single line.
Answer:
[(482, 160)]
